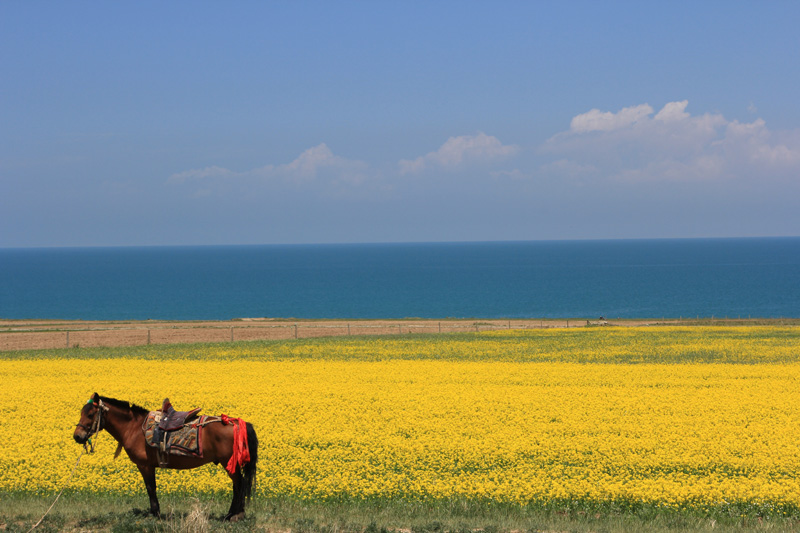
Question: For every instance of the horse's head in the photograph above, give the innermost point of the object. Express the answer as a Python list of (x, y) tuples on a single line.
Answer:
[(91, 419)]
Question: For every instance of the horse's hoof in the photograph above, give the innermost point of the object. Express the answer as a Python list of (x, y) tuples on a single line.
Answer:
[(234, 517)]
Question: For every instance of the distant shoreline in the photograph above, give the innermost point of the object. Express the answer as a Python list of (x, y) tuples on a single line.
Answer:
[(32, 334)]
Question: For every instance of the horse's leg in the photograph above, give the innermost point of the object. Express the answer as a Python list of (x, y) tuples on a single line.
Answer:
[(237, 503), (149, 475)]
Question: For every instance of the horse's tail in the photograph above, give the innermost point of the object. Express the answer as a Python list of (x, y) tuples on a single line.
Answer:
[(249, 468)]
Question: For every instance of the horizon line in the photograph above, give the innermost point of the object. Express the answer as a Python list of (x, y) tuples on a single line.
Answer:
[(377, 243)]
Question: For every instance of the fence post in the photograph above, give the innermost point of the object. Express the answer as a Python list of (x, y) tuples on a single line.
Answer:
[(148, 337), (67, 339), (348, 328), (399, 329), (295, 331), (440, 327), (231, 333)]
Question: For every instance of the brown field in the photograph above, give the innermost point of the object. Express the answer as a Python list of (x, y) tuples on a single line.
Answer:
[(47, 334)]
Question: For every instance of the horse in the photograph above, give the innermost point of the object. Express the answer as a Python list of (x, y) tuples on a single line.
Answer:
[(124, 422)]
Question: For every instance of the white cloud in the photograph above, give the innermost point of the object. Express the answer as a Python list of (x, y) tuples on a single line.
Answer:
[(756, 143), (634, 145), (596, 120), (457, 150), (757, 128), (317, 165), (673, 112), (318, 159)]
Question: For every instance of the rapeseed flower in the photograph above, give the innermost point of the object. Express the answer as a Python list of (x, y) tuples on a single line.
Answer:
[(516, 424)]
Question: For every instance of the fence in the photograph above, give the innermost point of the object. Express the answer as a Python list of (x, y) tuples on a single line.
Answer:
[(20, 335), (36, 335)]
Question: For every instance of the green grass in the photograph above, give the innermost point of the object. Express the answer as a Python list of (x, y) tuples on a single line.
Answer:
[(81, 512)]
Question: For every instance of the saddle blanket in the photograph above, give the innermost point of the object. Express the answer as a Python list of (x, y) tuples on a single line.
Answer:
[(183, 441)]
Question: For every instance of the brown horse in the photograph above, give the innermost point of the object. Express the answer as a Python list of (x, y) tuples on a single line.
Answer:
[(124, 421)]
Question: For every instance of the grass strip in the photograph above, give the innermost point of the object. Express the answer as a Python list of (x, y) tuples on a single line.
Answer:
[(108, 512)]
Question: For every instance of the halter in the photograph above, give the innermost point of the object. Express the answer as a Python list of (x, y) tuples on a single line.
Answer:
[(97, 424)]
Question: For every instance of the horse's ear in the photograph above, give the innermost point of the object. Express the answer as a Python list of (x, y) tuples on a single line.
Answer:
[(95, 397)]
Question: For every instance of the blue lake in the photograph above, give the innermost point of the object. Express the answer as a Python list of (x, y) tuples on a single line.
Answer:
[(757, 277)]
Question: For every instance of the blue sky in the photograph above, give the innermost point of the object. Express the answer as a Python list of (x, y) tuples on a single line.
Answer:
[(157, 123)]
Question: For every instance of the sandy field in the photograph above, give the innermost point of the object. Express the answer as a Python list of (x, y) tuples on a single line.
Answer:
[(46, 334)]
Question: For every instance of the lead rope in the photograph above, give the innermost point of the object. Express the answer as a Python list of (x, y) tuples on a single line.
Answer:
[(85, 451), (88, 447)]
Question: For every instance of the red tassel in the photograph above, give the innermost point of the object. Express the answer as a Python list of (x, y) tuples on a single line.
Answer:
[(241, 452)]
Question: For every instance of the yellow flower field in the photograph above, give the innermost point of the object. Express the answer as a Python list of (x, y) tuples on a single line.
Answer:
[(675, 435)]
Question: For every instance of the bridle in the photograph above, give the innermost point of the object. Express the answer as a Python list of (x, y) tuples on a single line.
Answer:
[(97, 424)]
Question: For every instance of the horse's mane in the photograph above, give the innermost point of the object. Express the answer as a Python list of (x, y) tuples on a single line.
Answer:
[(122, 404)]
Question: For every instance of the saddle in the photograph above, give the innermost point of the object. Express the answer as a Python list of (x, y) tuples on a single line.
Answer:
[(171, 420)]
